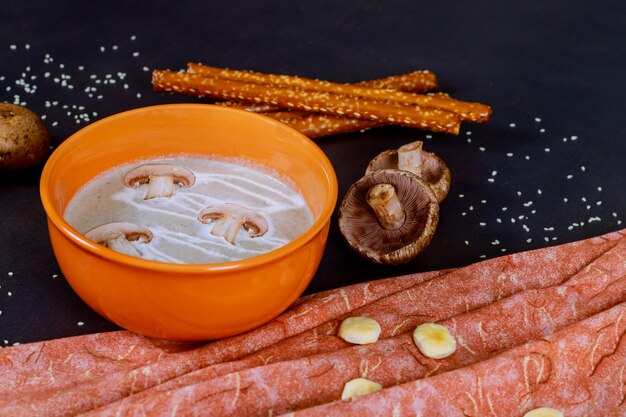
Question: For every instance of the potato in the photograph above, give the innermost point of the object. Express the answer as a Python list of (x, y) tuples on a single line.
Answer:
[(24, 140)]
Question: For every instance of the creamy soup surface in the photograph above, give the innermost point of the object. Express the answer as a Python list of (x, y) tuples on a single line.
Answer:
[(178, 235)]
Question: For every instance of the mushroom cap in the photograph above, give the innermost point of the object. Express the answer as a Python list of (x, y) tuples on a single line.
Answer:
[(435, 172), (24, 139), (141, 174), (251, 219), (111, 231), (362, 231)]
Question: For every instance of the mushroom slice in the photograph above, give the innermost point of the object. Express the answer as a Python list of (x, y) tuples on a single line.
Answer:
[(119, 235), (389, 216), (160, 179), (411, 157), (229, 218)]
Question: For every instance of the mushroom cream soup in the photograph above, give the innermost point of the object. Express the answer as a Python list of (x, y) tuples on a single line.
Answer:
[(189, 210)]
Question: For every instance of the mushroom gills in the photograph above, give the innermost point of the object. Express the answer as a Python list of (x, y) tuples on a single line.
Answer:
[(229, 218)]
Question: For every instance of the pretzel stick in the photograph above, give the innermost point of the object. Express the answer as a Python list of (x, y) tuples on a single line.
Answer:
[(312, 101), (316, 126), (473, 112), (415, 82)]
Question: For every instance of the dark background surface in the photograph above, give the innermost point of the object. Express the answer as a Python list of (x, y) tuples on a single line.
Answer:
[(549, 168)]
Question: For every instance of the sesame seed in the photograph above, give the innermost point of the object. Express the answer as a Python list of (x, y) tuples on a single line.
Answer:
[(505, 208), (135, 54), (512, 125), (133, 37), (565, 199), (542, 130), (494, 173), (574, 137), (491, 180), (547, 149), (482, 224), (10, 274), (528, 240), (13, 47), (527, 157), (468, 133), (599, 189), (482, 149), (569, 177), (80, 323), (537, 119), (499, 220), (461, 195), (467, 242), (510, 154), (526, 228), (582, 168)]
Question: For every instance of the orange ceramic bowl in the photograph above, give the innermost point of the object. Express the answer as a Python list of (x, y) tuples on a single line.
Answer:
[(194, 301)]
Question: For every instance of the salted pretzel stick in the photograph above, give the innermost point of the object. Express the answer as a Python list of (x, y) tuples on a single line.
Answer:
[(473, 112), (415, 82), (315, 126), (320, 102)]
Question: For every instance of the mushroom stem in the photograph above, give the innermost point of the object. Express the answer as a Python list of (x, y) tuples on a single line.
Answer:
[(160, 186), (410, 157), (123, 245), (383, 199), (229, 218), (227, 227)]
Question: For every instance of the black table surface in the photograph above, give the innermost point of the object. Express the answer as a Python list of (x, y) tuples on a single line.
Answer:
[(548, 169)]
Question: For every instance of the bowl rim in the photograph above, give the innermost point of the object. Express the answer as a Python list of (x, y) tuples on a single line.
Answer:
[(79, 239)]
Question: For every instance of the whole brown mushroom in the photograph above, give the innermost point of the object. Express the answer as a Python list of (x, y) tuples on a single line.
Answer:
[(24, 140), (426, 165), (389, 216)]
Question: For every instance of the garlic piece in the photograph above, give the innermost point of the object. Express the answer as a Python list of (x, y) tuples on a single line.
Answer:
[(359, 330), (359, 386), (544, 412), (434, 340)]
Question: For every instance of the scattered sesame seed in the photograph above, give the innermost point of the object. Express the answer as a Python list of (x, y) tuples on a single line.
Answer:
[(80, 323), (526, 228), (584, 198), (482, 149), (13, 47), (569, 177), (494, 173), (574, 137), (512, 125), (133, 37), (547, 149), (102, 49), (527, 157), (482, 224), (135, 54), (542, 130), (10, 274), (468, 133), (528, 240), (582, 168), (146, 69), (599, 189), (461, 195), (614, 214), (491, 180), (537, 119), (467, 242), (483, 256), (499, 220), (505, 208), (565, 199), (510, 154), (519, 193), (138, 95), (9, 293), (483, 201)]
